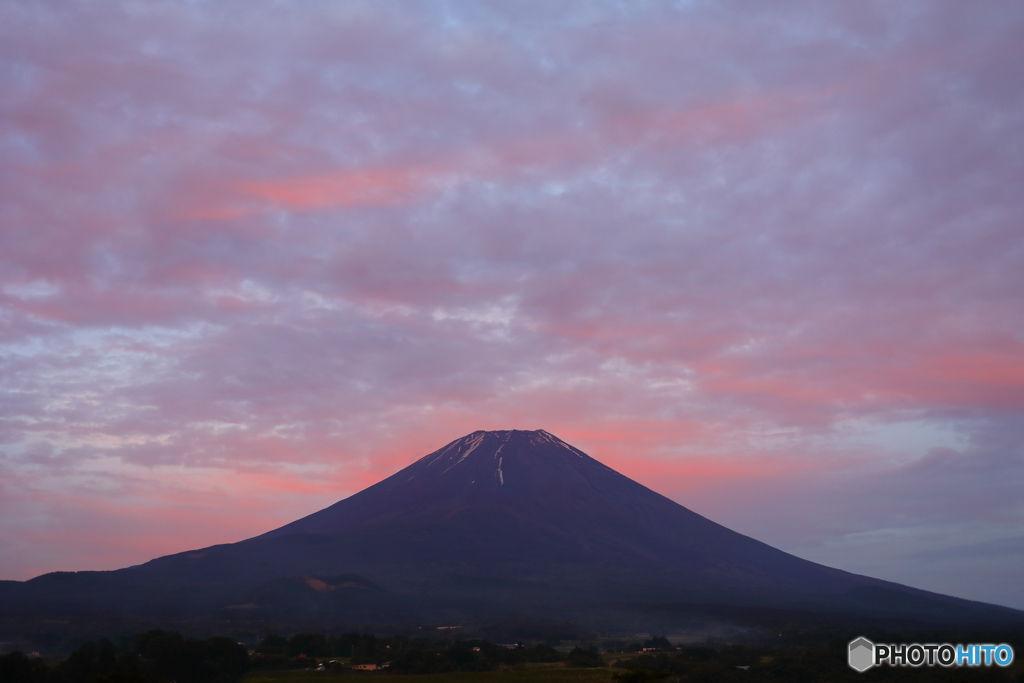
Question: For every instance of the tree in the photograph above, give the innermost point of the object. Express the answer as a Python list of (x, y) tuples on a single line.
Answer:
[(309, 644), (658, 643), (18, 668), (272, 645)]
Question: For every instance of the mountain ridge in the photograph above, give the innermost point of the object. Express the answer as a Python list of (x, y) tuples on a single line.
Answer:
[(507, 522)]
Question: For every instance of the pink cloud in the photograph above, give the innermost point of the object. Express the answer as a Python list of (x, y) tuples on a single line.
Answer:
[(289, 251), (359, 188)]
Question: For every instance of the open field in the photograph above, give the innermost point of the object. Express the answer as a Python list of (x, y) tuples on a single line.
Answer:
[(533, 674), (816, 666)]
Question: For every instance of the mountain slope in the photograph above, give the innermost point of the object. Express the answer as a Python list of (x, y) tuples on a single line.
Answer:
[(499, 522)]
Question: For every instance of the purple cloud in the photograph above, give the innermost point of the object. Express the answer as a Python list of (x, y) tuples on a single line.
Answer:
[(766, 260)]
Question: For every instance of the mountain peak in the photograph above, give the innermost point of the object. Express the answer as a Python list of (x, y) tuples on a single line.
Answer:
[(491, 446), (521, 472)]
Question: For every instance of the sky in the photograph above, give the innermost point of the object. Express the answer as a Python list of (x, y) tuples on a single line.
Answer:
[(766, 258)]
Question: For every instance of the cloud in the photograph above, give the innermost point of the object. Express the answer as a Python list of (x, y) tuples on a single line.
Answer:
[(760, 259)]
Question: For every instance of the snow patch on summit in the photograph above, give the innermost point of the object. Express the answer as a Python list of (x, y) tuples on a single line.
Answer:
[(554, 440), (469, 450), (441, 454), (472, 446), (574, 451)]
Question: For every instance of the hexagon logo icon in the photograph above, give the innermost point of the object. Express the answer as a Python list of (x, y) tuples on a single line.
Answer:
[(861, 654)]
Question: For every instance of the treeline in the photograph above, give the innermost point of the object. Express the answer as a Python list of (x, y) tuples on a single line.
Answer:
[(163, 657), (655, 643), (410, 655), (151, 657)]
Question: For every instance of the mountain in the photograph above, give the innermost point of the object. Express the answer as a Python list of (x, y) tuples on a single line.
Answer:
[(496, 524)]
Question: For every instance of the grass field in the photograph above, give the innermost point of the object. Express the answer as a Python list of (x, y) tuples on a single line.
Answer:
[(765, 669), (532, 674)]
